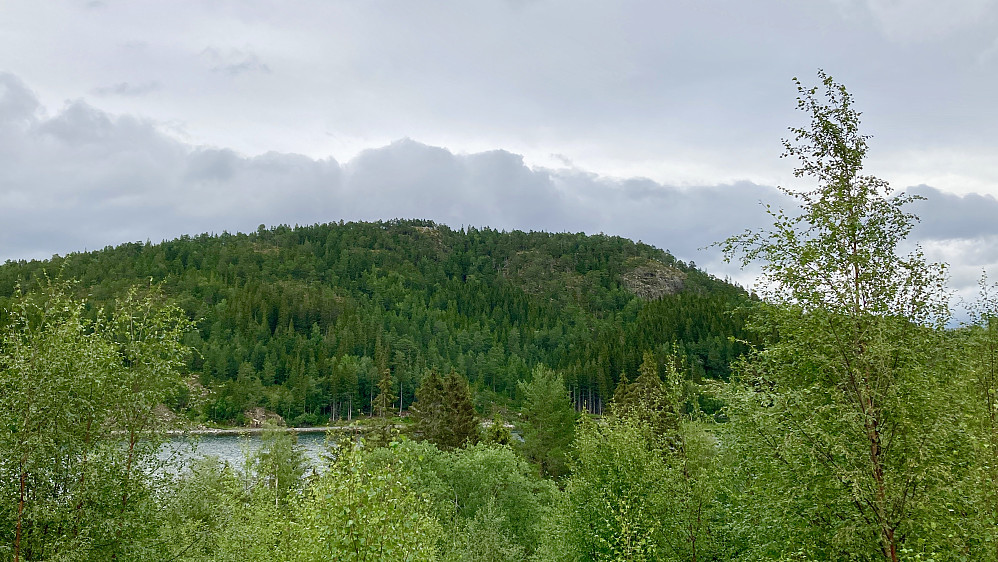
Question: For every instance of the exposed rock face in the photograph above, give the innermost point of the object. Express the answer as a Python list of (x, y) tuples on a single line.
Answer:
[(258, 417), (652, 279)]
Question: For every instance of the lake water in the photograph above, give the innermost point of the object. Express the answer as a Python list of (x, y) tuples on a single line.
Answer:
[(233, 449)]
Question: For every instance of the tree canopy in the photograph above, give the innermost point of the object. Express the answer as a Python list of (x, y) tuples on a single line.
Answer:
[(849, 395), (304, 320)]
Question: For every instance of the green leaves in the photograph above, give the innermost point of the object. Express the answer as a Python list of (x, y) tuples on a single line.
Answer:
[(76, 402), (846, 405), (633, 497), (356, 513)]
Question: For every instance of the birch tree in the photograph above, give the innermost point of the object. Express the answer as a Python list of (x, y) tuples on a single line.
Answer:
[(77, 432), (843, 421)]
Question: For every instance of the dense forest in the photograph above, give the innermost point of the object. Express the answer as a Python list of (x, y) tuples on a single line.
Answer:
[(570, 398), (303, 321)]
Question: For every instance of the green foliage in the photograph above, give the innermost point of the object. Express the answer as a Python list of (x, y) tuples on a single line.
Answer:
[(487, 538), (496, 432), (616, 507), (548, 422), (444, 411), (654, 404), (279, 463), (303, 321), (630, 497), (483, 496), (847, 408), (353, 512), (663, 505), (383, 429), (77, 437), (428, 411), (976, 348), (385, 402), (460, 422), (215, 513)]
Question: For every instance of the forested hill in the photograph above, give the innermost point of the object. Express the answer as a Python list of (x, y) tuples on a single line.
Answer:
[(301, 320)]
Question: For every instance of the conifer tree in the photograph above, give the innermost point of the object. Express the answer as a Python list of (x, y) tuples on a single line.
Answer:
[(381, 435), (428, 409), (461, 423), (621, 394), (497, 433), (649, 401), (549, 421), (383, 404)]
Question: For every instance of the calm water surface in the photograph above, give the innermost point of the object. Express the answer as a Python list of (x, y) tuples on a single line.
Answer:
[(233, 449)]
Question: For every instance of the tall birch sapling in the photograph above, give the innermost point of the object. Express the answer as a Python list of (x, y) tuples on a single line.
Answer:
[(843, 410)]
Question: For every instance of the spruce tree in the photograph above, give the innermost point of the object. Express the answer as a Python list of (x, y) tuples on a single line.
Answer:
[(383, 404), (428, 409), (648, 401), (460, 421), (497, 433), (549, 421)]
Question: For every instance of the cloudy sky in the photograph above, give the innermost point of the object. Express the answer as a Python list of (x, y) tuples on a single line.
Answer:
[(656, 120)]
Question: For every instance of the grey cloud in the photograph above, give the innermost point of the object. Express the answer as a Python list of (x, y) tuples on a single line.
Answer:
[(513, 193), (18, 104), (946, 216), (407, 179), (702, 86), (211, 164), (79, 124), (83, 178), (128, 90), (962, 231), (495, 188)]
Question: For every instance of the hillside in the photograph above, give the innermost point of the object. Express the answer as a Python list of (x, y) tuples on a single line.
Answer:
[(300, 320)]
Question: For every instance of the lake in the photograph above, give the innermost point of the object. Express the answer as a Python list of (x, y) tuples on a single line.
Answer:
[(233, 449)]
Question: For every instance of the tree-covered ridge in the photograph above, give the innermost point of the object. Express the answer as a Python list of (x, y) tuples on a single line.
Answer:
[(862, 429), (304, 320)]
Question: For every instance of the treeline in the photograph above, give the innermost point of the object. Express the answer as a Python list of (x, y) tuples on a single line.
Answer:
[(863, 429), (304, 320)]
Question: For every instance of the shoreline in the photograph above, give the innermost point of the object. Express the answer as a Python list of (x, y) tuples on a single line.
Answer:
[(259, 430)]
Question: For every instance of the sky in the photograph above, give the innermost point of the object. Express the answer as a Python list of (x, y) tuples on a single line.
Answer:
[(659, 121)]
